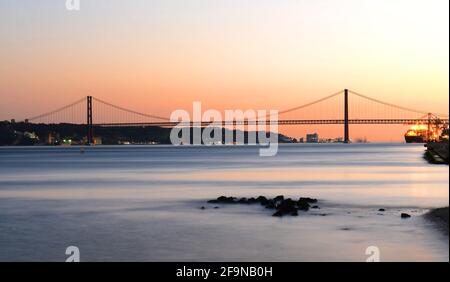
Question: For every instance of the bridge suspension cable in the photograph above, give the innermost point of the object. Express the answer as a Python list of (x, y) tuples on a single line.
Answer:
[(394, 105), (311, 103), (130, 111), (168, 119), (57, 110), (304, 105), (70, 111)]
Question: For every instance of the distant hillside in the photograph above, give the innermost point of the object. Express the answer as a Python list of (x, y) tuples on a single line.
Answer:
[(38, 134)]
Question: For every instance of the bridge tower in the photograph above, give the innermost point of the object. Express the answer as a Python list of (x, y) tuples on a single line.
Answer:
[(429, 117), (346, 132), (89, 127)]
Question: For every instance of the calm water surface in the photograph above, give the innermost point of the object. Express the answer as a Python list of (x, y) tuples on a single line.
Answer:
[(142, 203)]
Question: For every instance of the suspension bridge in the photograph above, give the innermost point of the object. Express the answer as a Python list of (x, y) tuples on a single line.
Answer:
[(345, 108)]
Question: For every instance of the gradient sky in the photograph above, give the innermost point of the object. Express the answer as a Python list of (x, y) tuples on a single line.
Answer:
[(158, 56)]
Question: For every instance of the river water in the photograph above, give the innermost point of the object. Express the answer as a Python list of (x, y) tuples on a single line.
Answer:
[(142, 203)]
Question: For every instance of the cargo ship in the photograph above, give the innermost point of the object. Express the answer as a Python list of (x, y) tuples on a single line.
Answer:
[(416, 134)]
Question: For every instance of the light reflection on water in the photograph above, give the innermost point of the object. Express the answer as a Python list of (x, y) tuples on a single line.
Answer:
[(142, 203)]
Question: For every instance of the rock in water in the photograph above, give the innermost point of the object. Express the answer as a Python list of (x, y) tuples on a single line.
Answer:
[(308, 200), (243, 201), (252, 201), (286, 207), (405, 215), (223, 200), (283, 206), (303, 205), (261, 199), (279, 198), (270, 205)]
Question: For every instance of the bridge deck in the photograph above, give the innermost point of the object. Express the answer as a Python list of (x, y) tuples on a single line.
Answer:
[(280, 122)]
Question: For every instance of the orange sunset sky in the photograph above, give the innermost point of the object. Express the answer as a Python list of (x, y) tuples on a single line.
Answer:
[(159, 56)]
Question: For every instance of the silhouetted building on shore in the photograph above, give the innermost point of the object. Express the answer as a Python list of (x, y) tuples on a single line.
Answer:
[(312, 138)]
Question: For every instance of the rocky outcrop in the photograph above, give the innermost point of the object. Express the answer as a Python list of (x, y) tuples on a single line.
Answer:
[(281, 205)]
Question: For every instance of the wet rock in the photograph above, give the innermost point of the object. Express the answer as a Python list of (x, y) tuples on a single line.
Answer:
[(263, 200), (307, 200), (202, 208), (252, 201), (270, 205), (279, 198), (230, 200), (216, 208), (287, 206), (280, 213), (315, 207), (279, 203), (303, 206), (243, 201), (381, 210), (405, 215), (304, 203), (223, 200)]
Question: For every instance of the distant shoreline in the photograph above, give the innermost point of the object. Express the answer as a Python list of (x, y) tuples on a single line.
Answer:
[(204, 145)]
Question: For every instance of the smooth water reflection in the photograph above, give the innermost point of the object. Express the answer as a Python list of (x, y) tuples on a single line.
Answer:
[(142, 203)]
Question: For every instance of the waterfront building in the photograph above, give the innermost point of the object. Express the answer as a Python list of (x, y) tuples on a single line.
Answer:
[(312, 138)]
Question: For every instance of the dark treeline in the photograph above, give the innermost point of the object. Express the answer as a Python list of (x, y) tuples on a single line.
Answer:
[(34, 134), (14, 133)]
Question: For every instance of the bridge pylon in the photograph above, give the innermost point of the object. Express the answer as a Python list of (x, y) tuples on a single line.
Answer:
[(89, 127), (346, 127)]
